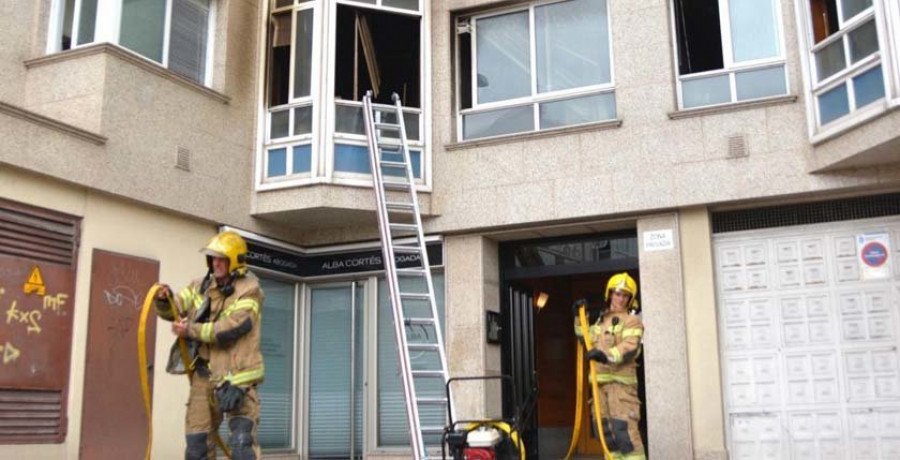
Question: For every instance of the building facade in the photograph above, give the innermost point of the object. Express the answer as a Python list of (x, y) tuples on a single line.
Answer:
[(738, 158)]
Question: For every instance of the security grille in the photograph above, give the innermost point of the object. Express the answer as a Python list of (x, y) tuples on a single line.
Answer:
[(807, 213)]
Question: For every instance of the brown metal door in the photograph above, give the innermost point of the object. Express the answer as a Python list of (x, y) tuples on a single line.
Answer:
[(113, 424)]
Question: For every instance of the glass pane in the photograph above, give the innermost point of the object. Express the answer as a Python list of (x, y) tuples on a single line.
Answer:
[(576, 111), (280, 122), (572, 45), (302, 159), (411, 121), (277, 346), (863, 41), (853, 7), (87, 21), (334, 399), (415, 157), (143, 25), (830, 60), (302, 120), (392, 429), (68, 17), (404, 4), (280, 58), (277, 165), (753, 29), (349, 119), (498, 122), (833, 104), (351, 158), (187, 44), (760, 83), (303, 54), (868, 87), (280, 3), (503, 57), (705, 91)]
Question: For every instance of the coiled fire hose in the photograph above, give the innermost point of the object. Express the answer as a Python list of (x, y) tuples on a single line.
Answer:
[(142, 363)]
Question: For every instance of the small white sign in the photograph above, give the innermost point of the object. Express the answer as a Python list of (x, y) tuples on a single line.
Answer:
[(658, 240), (874, 252)]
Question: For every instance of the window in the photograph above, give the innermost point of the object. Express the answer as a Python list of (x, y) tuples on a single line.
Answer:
[(728, 51), (315, 130), (541, 67), (174, 33), (845, 59)]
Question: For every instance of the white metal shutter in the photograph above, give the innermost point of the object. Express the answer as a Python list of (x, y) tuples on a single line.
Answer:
[(187, 43), (809, 349)]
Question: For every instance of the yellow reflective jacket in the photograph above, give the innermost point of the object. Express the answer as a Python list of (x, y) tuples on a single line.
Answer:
[(230, 335), (622, 344)]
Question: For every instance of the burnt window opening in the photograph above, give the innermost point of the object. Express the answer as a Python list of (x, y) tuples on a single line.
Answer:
[(280, 59), (824, 17), (699, 36), (384, 47)]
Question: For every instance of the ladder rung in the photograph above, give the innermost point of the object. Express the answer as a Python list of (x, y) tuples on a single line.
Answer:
[(438, 374), (423, 346), (393, 164), (393, 126), (407, 249), (397, 206), (415, 295), (390, 146), (404, 186), (432, 430), (404, 227), (410, 272), (432, 401), (419, 321)]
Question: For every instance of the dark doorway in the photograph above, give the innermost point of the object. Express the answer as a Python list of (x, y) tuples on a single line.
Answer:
[(539, 345)]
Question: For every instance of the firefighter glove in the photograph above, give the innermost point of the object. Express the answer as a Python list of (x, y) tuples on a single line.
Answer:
[(576, 306), (229, 396), (598, 355)]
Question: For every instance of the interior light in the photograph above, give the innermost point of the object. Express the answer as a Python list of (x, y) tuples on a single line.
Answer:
[(540, 299)]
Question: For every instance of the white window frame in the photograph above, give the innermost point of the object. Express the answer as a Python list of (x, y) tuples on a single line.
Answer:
[(324, 135), (535, 99), (107, 30), (729, 67), (892, 59), (855, 116)]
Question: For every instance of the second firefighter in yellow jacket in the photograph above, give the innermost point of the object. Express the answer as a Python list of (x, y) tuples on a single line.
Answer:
[(222, 324), (616, 339)]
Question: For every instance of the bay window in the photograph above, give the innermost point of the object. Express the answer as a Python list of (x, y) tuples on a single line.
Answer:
[(174, 33), (314, 129), (728, 51), (539, 67), (845, 59)]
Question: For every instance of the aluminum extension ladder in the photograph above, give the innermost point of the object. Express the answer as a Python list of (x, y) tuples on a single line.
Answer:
[(399, 220)]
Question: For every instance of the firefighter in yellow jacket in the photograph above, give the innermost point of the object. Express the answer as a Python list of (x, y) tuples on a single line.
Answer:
[(616, 337), (221, 320)]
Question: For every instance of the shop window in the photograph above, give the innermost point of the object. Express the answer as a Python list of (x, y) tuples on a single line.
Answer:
[(728, 51), (845, 58), (175, 34), (540, 67)]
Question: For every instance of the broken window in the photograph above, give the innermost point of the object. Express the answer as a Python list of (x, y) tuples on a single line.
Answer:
[(728, 51), (846, 63), (505, 67)]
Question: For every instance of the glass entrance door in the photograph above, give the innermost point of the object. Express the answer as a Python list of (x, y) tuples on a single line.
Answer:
[(336, 353)]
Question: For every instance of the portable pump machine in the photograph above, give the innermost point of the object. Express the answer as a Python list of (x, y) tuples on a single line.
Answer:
[(484, 439)]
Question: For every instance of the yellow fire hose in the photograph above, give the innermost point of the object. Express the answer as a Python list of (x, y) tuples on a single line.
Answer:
[(142, 362), (504, 427), (595, 390)]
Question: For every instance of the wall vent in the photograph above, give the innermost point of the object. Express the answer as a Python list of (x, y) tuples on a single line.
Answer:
[(31, 416), (865, 207), (737, 146), (38, 234), (183, 159)]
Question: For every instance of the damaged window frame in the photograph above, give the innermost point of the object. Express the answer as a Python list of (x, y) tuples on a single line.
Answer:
[(355, 171), (293, 145), (468, 25), (730, 68), (847, 77)]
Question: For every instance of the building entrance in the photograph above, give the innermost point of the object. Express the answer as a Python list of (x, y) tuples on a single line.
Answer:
[(541, 279)]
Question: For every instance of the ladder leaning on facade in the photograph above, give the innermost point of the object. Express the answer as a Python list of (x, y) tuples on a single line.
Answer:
[(399, 219)]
